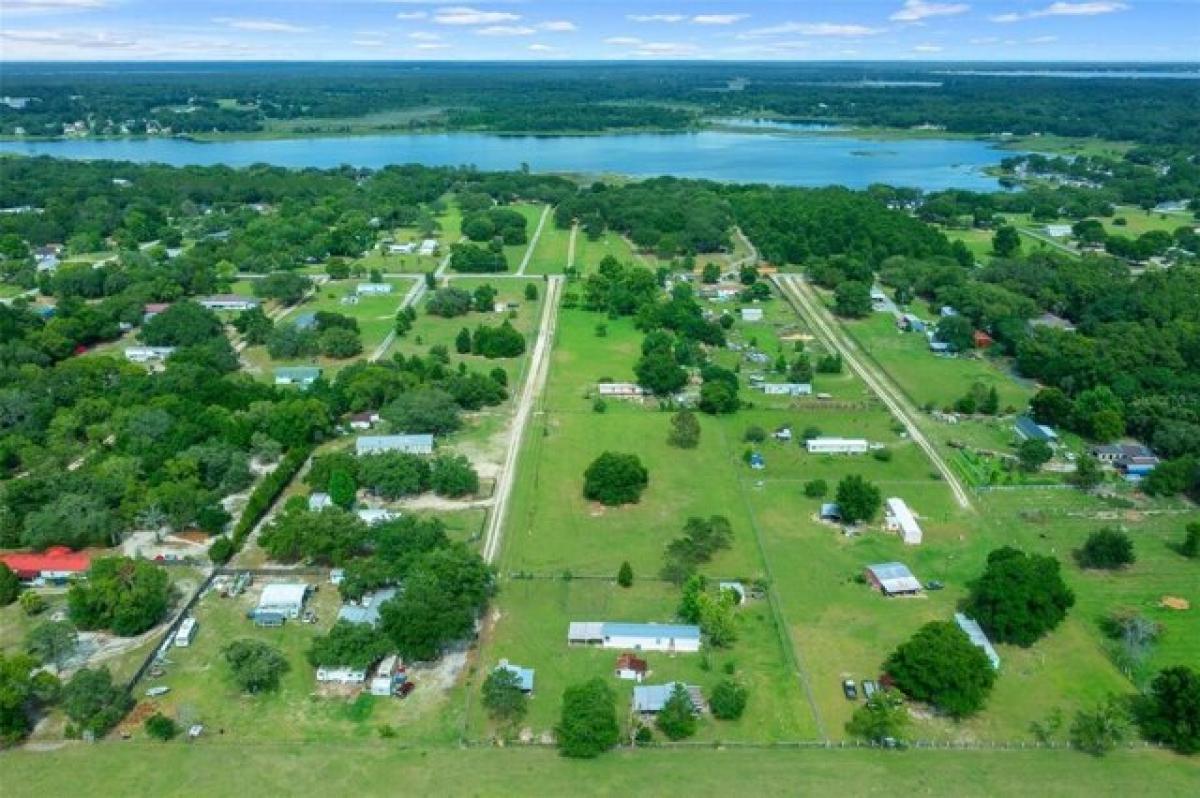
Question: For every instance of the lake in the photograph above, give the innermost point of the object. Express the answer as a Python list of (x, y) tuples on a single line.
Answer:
[(732, 156)]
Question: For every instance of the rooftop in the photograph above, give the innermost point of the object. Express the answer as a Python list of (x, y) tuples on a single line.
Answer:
[(287, 593), (524, 675), (55, 558)]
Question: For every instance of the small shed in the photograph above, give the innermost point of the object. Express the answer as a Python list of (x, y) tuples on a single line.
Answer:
[(186, 633), (652, 698), (899, 518), (408, 444), (893, 579), (975, 632), (752, 314), (319, 501), (1029, 430), (524, 675), (631, 667)]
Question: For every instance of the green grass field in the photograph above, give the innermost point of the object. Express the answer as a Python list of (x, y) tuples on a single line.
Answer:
[(589, 253), (551, 254), (219, 769), (925, 377)]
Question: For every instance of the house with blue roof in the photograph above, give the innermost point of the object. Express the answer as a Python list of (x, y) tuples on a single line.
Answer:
[(524, 675), (652, 698), (668, 637)]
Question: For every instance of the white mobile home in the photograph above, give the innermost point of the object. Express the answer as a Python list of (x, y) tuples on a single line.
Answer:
[(636, 636), (147, 354), (285, 599), (836, 446), (752, 314), (341, 675), (186, 633), (899, 518), (787, 388), (373, 289), (228, 302), (409, 444)]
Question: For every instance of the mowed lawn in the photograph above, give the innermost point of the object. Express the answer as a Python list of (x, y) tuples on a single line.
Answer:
[(589, 253), (377, 768), (925, 377), (203, 689), (532, 629), (552, 253)]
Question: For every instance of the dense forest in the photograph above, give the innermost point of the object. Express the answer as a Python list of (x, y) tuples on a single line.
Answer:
[(564, 98)]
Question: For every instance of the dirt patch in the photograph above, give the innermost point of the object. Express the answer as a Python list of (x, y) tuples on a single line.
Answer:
[(136, 717), (1174, 603), (429, 501)]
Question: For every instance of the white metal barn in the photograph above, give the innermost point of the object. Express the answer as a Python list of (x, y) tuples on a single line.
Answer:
[(286, 599), (899, 518), (341, 675), (836, 446), (409, 444), (787, 388)]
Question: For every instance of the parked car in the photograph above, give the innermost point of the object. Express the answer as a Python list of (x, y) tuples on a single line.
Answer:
[(869, 688), (405, 689), (850, 689)]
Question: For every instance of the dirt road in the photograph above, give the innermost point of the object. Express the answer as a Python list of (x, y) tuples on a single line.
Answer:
[(533, 241), (410, 299), (794, 288), (535, 380)]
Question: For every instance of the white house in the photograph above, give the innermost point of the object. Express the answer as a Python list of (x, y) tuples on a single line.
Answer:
[(147, 354), (1058, 230), (428, 247), (636, 636), (388, 675), (836, 446), (406, 248), (409, 444), (752, 314), (364, 420), (373, 289), (303, 376), (186, 633), (228, 302), (899, 518), (286, 599), (319, 501), (652, 698), (787, 388), (366, 609), (341, 675)]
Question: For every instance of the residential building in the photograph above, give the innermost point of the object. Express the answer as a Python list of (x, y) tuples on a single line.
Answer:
[(787, 388), (636, 636), (939, 347), (899, 518), (1029, 430), (186, 633), (364, 420), (1050, 320), (306, 321), (620, 390), (228, 302), (892, 579), (428, 247), (982, 340), (303, 376), (1114, 454), (366, 609), (911, 323), (631, 668), (319, 501), (286, 599), (373, 289), (406, 248), (831, 512), (737, 588), (409, 444), (651, 698), (55, 565), (836, 446), (975, 632), (152, 309), (147, 354), (524, 675), (1058, 230), (752, 314), (388, 676)]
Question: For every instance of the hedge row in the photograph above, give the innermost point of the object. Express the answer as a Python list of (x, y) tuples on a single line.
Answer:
[(265, 495)]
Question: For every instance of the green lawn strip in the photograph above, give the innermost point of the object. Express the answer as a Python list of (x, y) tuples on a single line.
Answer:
[(551, 253), (589, 253)]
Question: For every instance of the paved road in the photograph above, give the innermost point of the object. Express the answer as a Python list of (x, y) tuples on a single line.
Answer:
[(752, 258), (535, 380), (794, 288), (533, 242), (571, 246)]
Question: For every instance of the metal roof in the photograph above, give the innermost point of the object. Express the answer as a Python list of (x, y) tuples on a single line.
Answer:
[(655, 630), (524, 675), (653, 697), (975, 632), (371, 444), (367, 610), (283, 594), (895, 577)]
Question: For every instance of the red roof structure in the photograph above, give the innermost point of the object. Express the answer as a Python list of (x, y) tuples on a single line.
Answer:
[(628, 662), (57, 559), (982, 340)]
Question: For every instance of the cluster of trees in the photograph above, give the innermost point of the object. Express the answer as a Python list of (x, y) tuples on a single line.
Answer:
[(332, 334), (1019, 597), (505, 224), (502, 340), (126, 596), (615, 478), (391, 475), (713, 613), (701, 539), (474, 258)]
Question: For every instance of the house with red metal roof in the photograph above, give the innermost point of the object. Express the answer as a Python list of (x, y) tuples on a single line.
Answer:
[(56, 564)]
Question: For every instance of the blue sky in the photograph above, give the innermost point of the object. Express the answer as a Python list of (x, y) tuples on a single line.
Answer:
[(1031, 30)]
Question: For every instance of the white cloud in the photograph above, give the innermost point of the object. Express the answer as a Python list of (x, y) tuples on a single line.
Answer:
[(927, 48), (718, 19), (102, 40), (1064, 10), (33, 8), (260, 25), (559, 26), (464, 15), (506, 30), (542, 48), (626, 41), (984, 40), (425, 36), (813, 29), (1043, 40), (656, 17), (915, 10), (665, 49), (431, 46), (411, 15), (367, 42)]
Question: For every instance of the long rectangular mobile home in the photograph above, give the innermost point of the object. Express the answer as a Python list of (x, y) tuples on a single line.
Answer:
[(836, 446)]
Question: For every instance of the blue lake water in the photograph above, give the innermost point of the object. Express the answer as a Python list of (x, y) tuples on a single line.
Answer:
[(716, 155)]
